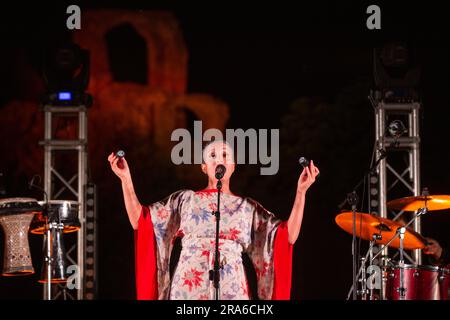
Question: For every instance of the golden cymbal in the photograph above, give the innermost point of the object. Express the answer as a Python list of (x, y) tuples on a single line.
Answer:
[(368, 224), (436, 202)]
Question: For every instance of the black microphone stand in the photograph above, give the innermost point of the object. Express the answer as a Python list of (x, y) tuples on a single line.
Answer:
[(352, 199), (2, 185), (214, 275)]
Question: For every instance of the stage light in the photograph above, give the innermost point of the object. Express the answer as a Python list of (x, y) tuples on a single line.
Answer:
[(396, 72), (64, 96), (66, 75)]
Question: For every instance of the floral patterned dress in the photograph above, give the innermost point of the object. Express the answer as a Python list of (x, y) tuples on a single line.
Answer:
[(245, 226)]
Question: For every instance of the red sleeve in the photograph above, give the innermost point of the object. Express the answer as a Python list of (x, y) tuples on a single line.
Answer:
[(282, 264), (145, 258)]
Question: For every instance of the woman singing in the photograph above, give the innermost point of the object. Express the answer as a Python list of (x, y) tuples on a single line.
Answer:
[(245, 226)]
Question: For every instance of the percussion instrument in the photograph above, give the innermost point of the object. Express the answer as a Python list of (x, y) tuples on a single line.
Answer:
[(368, 224), (15, 218), (54, 266), (444, 280), (431, 203), (421, 282), (60, 211)]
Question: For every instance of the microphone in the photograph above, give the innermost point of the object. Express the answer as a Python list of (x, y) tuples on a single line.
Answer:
[(31, 183), (305, 163), (396, 128), (120, 154), (220, 171)]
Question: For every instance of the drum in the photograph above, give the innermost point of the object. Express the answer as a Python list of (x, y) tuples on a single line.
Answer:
[(444, 279), (64, 210), (421, 282), (15, 218)]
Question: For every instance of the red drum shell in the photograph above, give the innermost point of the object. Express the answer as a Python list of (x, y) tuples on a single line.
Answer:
[(421, 282)]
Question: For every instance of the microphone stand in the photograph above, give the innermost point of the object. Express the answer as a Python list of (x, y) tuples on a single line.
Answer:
[(362, 268), (352, 199), (214, 275), (48, 258), (48, 236), (2, 185)]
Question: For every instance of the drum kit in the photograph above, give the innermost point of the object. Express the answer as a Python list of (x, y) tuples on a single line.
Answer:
[(18, 217), (399, 281)]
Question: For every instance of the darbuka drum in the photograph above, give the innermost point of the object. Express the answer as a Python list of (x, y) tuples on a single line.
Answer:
[(64, 210), (420, 282), (15, 218)]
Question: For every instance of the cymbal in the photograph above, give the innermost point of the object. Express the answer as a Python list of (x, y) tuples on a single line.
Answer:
[(369, 224), (437, 202)]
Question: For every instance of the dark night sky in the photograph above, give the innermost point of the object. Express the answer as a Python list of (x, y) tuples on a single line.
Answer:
[(259, 58)]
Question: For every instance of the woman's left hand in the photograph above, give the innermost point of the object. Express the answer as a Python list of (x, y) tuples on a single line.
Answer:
[(307, 177)]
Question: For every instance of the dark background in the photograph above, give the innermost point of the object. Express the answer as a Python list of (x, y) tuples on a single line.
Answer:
[(306, 69)]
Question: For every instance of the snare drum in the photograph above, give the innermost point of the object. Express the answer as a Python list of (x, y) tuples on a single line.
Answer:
[(15, 218), (421, 282), (63, 211)]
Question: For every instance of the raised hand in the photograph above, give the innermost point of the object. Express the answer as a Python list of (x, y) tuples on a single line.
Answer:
[(307, 177), (119, 166)]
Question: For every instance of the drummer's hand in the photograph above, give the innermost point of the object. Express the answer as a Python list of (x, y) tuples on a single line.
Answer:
[(433, 248), (121, 168), (307, 177)]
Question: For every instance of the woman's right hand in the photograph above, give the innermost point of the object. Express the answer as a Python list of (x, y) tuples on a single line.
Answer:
[(121, 168)]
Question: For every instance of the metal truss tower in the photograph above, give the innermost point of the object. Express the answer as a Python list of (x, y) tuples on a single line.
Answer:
[(66, 178), (403, 176)]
